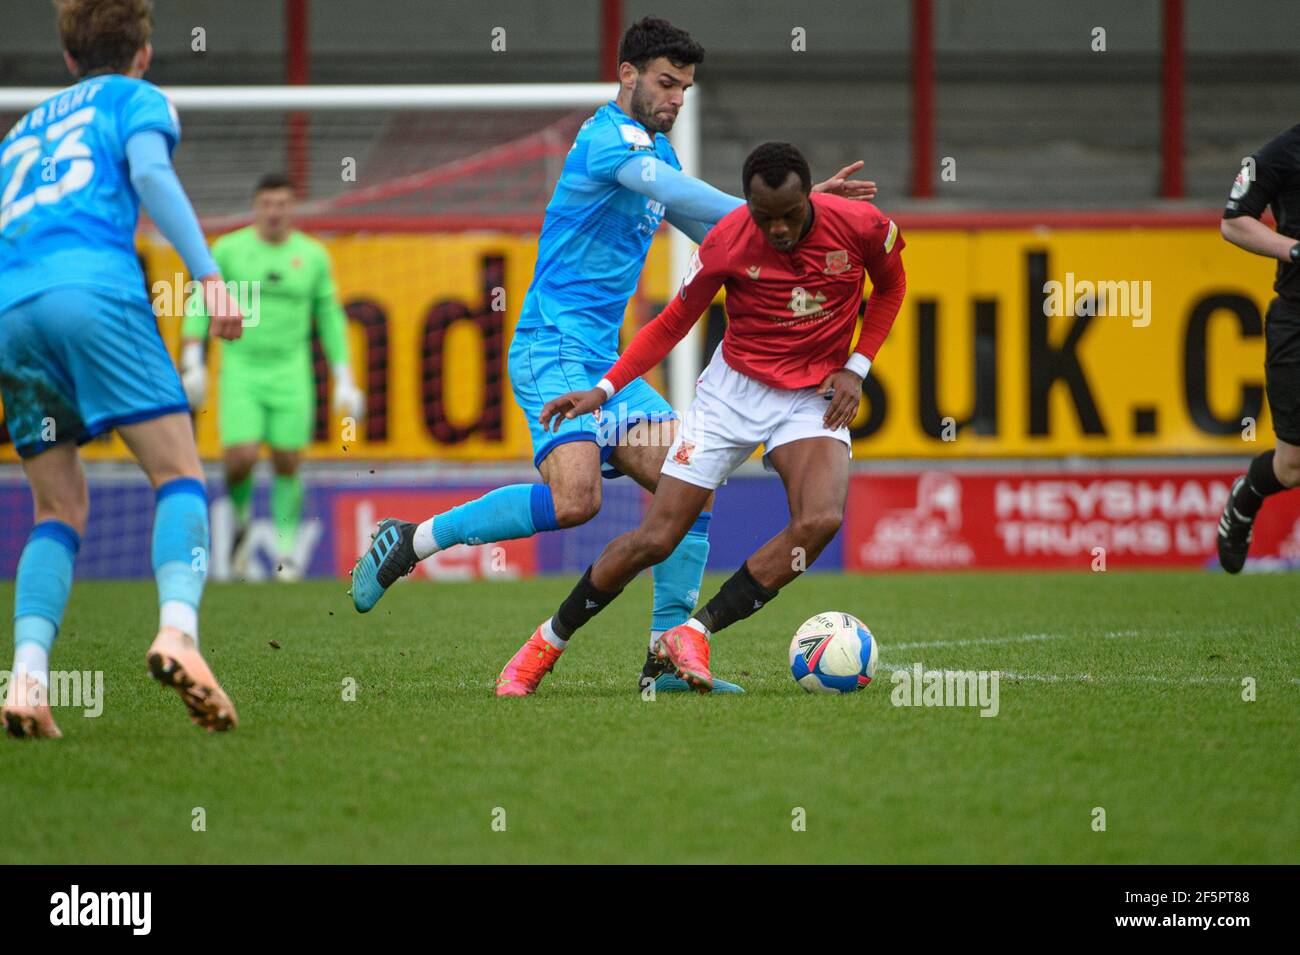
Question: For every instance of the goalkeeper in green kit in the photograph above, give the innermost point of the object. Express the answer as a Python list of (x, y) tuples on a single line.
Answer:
[(267, 390)]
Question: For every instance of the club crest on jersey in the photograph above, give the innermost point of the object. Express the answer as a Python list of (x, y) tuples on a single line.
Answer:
[(836, 262), (683, 455)]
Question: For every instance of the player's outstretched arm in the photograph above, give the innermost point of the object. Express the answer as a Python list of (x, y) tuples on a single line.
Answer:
[(863, 190), (693, 229), (689, 198), (149, 160), (686, 196)]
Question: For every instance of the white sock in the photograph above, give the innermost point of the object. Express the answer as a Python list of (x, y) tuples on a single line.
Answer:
[(31, 658), (654, 637), (175, 613), (548, 634), (696, 625), (423, 542)]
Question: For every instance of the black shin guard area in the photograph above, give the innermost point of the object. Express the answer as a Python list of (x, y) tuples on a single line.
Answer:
[(1261, 481), (739, 598), (583, 603)]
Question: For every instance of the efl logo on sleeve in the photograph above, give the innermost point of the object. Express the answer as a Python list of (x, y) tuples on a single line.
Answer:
[(693, 268), (635, 137)]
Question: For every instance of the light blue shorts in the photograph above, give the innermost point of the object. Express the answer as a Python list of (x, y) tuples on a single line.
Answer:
[(545, 364), (76, 362)]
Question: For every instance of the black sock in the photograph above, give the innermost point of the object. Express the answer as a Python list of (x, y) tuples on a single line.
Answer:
[(1261, 481), (739, 598), (583, 603)]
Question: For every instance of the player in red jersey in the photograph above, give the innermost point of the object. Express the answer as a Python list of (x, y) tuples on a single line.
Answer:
[(793, 266)]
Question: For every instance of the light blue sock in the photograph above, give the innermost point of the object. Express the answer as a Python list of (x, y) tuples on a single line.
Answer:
[(180, 552), (518, 510), (43, 583), (677, 579)]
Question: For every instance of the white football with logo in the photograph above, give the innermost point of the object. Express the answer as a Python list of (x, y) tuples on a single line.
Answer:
[(833, 652)]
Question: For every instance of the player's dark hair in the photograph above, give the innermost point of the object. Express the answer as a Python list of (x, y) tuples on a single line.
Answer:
[(273, 180), (650, 37), (774, 162), (102, 36)]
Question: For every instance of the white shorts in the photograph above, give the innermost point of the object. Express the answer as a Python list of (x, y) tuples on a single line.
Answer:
[(732, 415)]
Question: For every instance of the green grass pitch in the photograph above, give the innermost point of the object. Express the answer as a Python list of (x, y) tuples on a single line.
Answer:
[(1126, 695)]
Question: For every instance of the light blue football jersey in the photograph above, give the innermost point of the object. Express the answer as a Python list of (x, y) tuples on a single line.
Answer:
[(68, 210), (595, 236)]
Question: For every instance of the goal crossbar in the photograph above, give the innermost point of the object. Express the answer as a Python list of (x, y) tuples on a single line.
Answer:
[(685, 364)]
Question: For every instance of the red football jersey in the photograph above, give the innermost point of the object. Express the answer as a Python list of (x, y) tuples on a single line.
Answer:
[(790, 315)]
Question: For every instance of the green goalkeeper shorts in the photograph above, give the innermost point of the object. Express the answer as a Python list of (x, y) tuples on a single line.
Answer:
[(266, 402)]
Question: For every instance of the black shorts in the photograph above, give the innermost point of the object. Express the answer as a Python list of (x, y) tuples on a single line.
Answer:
[(1282, 368)]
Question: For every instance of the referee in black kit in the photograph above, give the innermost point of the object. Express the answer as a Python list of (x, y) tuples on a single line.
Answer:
[(1271, 178)]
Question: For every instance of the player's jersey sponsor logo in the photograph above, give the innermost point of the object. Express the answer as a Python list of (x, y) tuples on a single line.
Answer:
[(753, 271), (683, 454), (804, 303), (836, 262)]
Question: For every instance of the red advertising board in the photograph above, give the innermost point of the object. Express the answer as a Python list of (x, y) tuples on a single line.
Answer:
[(937, 520), (357, 512)]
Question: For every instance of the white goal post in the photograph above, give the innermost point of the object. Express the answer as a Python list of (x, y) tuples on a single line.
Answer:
[(685, 363)]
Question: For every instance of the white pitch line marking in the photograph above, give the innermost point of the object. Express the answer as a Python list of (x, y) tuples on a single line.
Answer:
[(979, 641), (1023, 638), (1089, 678)]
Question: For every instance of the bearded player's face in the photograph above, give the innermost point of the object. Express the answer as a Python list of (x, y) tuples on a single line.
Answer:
[(781, 214), (659, 93), (273, 213)]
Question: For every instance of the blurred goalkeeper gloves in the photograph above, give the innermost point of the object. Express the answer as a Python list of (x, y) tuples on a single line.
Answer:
[(194, 374), (349, 400)]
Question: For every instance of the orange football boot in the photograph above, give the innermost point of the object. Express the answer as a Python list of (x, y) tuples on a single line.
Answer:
[(26, 712), (686, 650), (527, 667), (175, 661)]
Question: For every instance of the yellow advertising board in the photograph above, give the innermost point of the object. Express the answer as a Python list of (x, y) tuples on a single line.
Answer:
[(1012, 342), (1089, 342)]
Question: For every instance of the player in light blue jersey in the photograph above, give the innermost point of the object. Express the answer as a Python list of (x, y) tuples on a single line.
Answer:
[(621, 179), (80, 352)]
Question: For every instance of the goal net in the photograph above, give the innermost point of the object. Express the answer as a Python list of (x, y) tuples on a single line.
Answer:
[(428, 198)]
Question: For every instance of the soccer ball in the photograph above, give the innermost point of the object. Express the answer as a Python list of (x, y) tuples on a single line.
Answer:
[(833, 652)]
